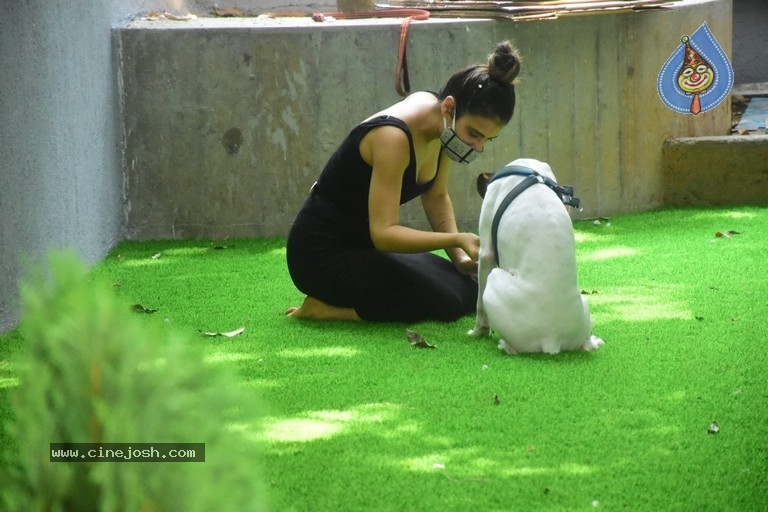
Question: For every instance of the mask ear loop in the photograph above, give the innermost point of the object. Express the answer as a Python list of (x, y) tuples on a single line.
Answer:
[(453, 122)]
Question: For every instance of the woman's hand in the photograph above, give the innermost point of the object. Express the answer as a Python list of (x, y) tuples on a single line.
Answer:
[(467, 267), (470, 244), (464, 257)]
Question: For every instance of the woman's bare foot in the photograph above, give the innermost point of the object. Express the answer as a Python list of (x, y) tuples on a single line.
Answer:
[(315, 309)]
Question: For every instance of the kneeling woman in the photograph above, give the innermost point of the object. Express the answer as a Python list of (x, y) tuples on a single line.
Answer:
[(347, 250)]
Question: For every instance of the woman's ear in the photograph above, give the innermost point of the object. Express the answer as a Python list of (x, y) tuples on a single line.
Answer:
[(447, 106)]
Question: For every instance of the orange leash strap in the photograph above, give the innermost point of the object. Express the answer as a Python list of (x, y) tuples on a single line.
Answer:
[(402, 80)]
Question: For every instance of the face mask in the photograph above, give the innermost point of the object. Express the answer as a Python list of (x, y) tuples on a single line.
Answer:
[(455, 148)]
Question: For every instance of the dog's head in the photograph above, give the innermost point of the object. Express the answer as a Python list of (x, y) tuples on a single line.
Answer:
[(482, 182), (542, 168)]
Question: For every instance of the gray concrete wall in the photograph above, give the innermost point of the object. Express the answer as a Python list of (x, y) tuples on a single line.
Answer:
[(707, 171), (60, 179), (292, 89), (750, 41)]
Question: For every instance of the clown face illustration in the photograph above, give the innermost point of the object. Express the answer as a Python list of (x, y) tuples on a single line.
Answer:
[(696, 78), (696, 75)]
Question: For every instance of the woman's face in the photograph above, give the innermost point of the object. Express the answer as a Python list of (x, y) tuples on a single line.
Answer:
[(477, 130)]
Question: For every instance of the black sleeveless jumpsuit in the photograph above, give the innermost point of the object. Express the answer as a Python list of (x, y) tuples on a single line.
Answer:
[(331, 256)]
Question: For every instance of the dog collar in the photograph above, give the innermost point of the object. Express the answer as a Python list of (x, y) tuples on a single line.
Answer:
[(565, 193), (512, 170)]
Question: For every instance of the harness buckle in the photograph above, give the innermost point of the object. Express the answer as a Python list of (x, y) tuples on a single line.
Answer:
[(566, 195)]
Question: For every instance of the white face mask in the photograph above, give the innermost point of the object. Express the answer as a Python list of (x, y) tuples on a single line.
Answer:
[(455, 148)]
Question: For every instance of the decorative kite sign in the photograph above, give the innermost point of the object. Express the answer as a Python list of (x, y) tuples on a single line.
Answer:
[(697, 76)]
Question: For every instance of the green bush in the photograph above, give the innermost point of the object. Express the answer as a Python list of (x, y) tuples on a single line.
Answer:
[(94, 372)]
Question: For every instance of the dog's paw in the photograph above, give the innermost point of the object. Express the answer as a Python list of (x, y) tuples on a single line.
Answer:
[(507, 348), (479, 332), (551, 347), (593, 343)]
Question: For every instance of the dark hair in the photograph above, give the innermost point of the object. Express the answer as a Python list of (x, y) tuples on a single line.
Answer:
[(486, 90)]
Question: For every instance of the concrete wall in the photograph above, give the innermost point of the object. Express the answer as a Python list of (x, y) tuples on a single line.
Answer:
[(709, 171), (750, 41), (291, 89), (60, 179)]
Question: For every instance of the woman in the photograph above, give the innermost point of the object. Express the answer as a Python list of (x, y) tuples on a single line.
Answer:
[(347, 250)]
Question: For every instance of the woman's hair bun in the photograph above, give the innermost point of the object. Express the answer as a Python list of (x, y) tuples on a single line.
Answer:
[(504, 63)]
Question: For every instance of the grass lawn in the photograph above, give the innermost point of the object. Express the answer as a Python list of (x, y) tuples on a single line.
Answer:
[(358, 419)]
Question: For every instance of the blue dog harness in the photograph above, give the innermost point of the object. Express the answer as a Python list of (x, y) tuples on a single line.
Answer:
[(532, 177)]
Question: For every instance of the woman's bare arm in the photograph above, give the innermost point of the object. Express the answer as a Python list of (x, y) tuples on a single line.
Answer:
[(388, 150)]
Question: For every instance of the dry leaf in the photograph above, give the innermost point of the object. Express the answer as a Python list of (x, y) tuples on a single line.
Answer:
[(138, 308), (175, 17), (417, 340), (165, 15), (726, 234), (285, 14), (152, 16), (228, 334), (231, 12)]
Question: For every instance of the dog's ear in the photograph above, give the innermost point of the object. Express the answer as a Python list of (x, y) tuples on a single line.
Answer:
[(482, 182)]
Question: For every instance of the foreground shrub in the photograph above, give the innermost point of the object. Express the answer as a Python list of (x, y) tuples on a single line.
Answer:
[(94, 372)]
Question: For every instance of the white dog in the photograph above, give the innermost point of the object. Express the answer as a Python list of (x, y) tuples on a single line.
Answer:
[(530, 296)]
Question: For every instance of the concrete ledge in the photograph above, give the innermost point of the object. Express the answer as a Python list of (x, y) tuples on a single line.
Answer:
[(714, 171)]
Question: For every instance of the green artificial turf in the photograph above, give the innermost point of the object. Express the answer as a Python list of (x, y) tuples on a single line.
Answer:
[(358, 419)]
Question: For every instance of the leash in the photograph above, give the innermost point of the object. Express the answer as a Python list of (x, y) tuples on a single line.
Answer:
[(532, 177), (402, 79)]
